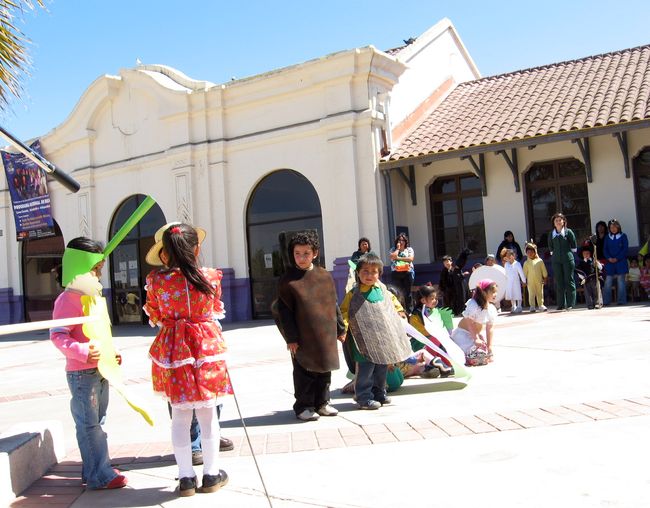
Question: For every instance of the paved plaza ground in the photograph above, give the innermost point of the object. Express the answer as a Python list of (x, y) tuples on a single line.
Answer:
[(559, 419)]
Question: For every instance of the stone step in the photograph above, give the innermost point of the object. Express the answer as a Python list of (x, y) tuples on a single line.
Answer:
[(27, 451)]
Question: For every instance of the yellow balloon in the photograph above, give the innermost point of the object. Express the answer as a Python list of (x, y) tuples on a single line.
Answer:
[(99, 330)]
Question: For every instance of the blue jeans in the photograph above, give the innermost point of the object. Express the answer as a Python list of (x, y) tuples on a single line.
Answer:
[(88, 406), (370, 382), (620, 289)]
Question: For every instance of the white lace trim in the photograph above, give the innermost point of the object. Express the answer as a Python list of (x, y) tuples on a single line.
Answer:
[(198, 404), (189, 361)]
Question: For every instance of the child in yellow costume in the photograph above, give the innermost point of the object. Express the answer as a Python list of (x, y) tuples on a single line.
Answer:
[(536, 275)]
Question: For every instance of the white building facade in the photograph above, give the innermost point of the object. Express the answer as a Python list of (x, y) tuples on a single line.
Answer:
[(293, 148)]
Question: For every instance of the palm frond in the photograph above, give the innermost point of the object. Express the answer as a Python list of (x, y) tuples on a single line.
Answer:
[(14, 58)]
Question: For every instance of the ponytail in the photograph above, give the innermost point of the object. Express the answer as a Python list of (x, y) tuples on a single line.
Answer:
[(179, 242)]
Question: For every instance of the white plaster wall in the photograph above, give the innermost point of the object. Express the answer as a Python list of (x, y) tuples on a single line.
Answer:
[(435, 56)]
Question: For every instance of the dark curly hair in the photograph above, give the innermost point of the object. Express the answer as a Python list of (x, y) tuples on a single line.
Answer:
[(309, 237)]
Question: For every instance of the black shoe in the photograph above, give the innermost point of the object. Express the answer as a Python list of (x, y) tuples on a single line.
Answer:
[(212, 483), (560, 307), (197, 458), (225, 445), (187, 486)]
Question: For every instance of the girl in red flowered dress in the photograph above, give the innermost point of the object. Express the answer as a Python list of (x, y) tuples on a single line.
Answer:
[(188, 367)]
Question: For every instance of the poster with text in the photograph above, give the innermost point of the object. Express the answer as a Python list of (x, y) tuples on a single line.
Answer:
[(27, 185)]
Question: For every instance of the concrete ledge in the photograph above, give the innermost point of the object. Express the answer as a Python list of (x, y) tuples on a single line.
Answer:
[(27, 451)]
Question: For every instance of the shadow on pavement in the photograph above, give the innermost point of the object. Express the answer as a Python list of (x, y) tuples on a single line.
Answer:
[(138, 330), (128, 464), (274, 418), (431, 386), (130, 497), (37, 335)]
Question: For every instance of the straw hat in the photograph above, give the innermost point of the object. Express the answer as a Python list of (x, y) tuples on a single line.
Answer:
[(153, 256)]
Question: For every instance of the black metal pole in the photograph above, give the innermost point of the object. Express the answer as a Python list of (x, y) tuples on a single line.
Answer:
[(63, 178)]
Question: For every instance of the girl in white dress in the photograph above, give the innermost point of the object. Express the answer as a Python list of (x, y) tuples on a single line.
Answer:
[(515, 278)]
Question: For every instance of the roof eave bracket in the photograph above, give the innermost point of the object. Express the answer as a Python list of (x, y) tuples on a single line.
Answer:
[(512, 163), (479, 169), (583, 144), (410, 182), (622, 143)]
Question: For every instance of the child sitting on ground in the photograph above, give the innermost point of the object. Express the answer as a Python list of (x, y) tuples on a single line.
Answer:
[(514, 278), (479, 311), (310, 322), (373, 315), (536, 275), (426, 307)]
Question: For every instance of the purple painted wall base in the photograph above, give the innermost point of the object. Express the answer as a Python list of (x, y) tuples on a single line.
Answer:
[(11, 307), (236, 297)]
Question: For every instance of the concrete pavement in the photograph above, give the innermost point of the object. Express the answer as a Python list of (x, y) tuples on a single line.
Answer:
[(559, 418)]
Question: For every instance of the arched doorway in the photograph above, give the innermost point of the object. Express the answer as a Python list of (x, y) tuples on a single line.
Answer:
[(557, 186), (128, 266), (642, 193), (283, 201), (40, 260)]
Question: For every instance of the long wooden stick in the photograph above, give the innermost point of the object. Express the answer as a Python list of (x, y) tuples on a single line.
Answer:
[(41, 325)]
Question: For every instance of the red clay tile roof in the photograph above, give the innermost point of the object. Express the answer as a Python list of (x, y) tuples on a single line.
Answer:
[(596, 91)]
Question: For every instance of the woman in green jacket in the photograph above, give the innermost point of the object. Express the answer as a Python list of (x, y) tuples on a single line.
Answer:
[(562, 246)]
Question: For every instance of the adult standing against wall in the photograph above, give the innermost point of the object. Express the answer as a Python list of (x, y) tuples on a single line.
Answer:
[(401, 267), (601, 233), (509, 243), (616, 245), (562, 244), (363, 248)]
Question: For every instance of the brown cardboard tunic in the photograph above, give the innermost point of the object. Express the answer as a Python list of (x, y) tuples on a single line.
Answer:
[(308, 314)]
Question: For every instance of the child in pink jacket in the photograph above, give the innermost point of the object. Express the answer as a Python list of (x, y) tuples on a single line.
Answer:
[(88, 387)]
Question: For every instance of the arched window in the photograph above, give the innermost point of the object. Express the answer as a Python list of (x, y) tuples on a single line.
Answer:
[(557, 186), (282, 201), (642, 193), (128, 266), (457, 215)]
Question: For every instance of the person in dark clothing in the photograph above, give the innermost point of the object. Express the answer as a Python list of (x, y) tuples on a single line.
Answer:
[(310, 322), (364, 248), (452, 282), (509, 243), (586, 270), (601, 233), (562, 245)]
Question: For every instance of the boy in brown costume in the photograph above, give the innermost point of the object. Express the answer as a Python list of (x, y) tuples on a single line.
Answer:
[(310, 321)]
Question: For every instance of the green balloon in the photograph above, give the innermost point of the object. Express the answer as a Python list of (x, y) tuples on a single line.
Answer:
[(77, 262)]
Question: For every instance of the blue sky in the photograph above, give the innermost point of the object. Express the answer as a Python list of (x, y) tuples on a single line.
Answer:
[(75, 42)]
